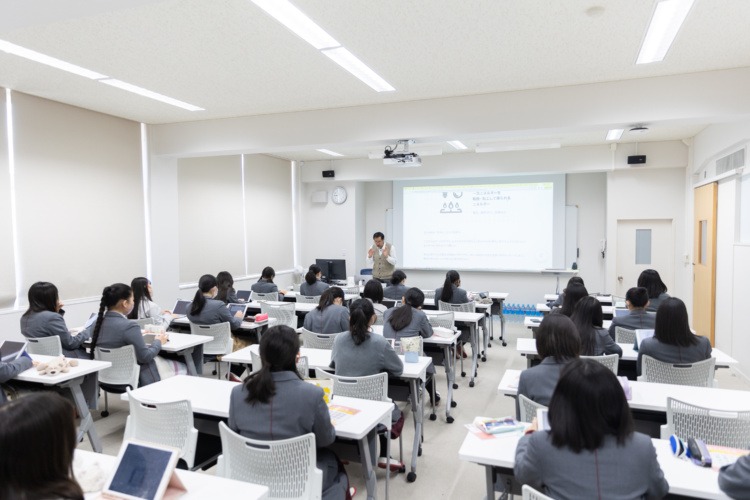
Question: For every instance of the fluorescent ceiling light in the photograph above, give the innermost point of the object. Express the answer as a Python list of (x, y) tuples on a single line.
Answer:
[(151, 95), (329, 152), (665, 23), (457, 144), (19, 51), (490, 148), (296, 20), (349, 62), (615, 134)]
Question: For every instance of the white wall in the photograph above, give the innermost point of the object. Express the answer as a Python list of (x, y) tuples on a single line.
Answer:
[(725, 237), (589, 193), (739, 296)]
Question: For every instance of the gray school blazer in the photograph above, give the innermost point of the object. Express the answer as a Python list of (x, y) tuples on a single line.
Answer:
[(314, 290), (215, 311), (734, 480), (42, 324), (638, 319), (459, 295), (264, 286), (673, 353), (419, 325), (10, 370), (395, 292), (332, 319), (374, 355), (653, 305), (539, 382)]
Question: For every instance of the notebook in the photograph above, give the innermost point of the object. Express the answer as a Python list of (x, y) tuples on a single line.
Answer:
[(181, 307), (641, 335)]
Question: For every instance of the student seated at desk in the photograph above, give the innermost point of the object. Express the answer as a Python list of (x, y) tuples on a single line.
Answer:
[(357, 353), (396, 289), (145, 307), (673, 342), (557, 343), (657, 290), (639, 318), (374, 292), (595, 340), (451, 293), (330, 316), (275, 403), (266, 285), (734, 480), (312, 287), (226, 292), (591, 450), (10, 370), (559, 300), (114, 329), (38, 439), (571, 295)]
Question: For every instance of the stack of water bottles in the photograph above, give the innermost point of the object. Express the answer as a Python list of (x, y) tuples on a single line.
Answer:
[(515, 313)]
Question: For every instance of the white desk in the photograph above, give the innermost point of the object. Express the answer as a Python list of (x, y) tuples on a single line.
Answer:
[(72, 381), (471, 319), (184, 344), (291, 294), (300, 307), (211, 397), (533, 322), (199, 486), (606, 310), (245, 326)]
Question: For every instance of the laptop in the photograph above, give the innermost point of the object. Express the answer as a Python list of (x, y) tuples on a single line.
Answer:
[(244, 295), (235, 308), (91, 320), (181, 307), (11, 350)]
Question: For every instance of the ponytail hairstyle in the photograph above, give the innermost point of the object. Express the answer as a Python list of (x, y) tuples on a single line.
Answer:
[(327, 297), (42, 297), (279, 347), (587, 317), (401, 316), (397, 277), (268, 274), (360, 315), (451, 277), (225, 283), (205, 284), (312, 275), (140, 292), (111, 295)]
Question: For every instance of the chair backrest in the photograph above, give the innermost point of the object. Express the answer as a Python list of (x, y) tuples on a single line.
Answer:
[(378, 318), (270, 296), (530, 493), (169, 424), (720, 428), (699, 374), (444, 319), (351, 290), (317, 340), (286, 466), (303, 367), (611, 361), (624, 336), (308, 299), (528, 408), (47, 346), (255, 360), (465, 307), (145, 321), (124, 369), (222, 334), (429, 294), (284, 313), (372, 387)]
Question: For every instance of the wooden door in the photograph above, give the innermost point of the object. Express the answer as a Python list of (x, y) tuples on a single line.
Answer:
[(704, 256)]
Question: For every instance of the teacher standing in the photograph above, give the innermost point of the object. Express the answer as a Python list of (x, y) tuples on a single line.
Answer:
[(382, 257)]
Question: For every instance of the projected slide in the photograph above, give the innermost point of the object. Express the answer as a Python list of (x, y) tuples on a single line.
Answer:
[(482, 227)]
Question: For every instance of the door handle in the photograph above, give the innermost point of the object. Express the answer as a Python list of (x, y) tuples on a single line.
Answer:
[(619, 278)]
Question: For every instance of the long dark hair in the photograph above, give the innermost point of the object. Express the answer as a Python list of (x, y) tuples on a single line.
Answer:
[(140, 292), (651, 281), (205, 284), (572, 294), (672, 326), (360, 315), (557, 338), (401, 316), (587, 317), (451, 277), (278, 352), (312, 275), (111, 295), (588, 404), (267, 274), (373, 291), (225, 282), (38, 439), (397, 277), (43, 296), (327, 297)]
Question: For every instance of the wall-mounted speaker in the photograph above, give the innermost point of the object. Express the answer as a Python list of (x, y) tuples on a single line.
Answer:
[(331, 173), (636, 160)]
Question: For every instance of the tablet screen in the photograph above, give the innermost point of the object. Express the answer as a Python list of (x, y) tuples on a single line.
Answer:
[(10, 350), (181, 307), (140, 471), (233, 308), (243, 294)]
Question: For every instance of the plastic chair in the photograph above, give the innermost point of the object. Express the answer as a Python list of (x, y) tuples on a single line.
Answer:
[(700, 374), (145, 321), (529, 493), (308, 299), (429, 294), (317, 340), (717, 427), (528, 408), (444, 319), (465, 307), (270, 296), (303, 367), (378, 318), (221, 344), (611, 361), (624, 336), (284, 313), (169, 424), (47, 346), (123, 373), (351, 290), (286, 466)]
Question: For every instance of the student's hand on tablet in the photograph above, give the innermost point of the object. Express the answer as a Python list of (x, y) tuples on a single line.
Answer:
[(166, 311), (239, 314)]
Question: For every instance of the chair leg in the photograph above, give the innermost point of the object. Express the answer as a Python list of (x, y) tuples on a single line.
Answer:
[(218, 370), (105, 413)]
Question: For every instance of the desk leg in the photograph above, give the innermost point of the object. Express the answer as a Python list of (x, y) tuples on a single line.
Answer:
[(474, 352), (450, 376), (417, 409), (502, 323), (188, 355), (489, 483), (486, 334), (367, 471), (87, 422)]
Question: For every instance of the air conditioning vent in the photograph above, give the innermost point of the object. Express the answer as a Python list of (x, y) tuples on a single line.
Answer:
[(730, 162)]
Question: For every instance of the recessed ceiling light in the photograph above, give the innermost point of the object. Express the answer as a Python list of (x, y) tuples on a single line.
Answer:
[(490, 148), (349, 62), (32, 55), (615, 134), (329, 152), (296, 20), (457, 144), (638, 130), (665, 23), (151, 95)]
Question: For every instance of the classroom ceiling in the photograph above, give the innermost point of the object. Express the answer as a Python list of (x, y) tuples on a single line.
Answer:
[(231, 58)]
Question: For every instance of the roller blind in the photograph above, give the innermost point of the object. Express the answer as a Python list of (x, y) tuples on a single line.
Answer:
[(79, 197), (210, 217), (7, 266)]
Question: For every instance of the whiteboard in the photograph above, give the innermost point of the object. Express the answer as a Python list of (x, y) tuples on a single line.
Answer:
[(389, 224)]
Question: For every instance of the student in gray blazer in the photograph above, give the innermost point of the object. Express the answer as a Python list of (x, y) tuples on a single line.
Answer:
[(396, 288), (591, 450), (595, 340), (330, 316), (266, 285), (13, 368), (450, 291), (673, 342), (557, 342), (276, 404), (206, 310), (312, 285), (734, 480), (638, 318), (114, 329), (226, 292), (657, 290), (559, 300)]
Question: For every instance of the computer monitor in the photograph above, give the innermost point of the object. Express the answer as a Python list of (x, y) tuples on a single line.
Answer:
[(332, 269)]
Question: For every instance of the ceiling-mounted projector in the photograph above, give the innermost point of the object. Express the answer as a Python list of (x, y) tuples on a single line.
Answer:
[(403, 158)]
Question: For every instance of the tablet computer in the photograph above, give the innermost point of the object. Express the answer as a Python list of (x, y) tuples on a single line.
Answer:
[(542, 419), (144, 471), (149, 338), (243, 294), (181, 307), (11, 350), (235, 308)]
